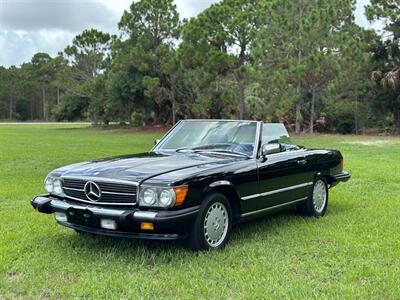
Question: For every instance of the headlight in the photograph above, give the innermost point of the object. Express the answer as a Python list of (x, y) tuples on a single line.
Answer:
[(57, 187), (166, 198), (48, 184), (54, 186), (150, 196)]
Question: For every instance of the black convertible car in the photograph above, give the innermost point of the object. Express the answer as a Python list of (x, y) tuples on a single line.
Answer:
[(201, 178)]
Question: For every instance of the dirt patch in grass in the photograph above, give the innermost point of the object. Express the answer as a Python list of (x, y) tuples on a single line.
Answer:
[(376, 143), (13, 276), (150, 129), (128, 129)]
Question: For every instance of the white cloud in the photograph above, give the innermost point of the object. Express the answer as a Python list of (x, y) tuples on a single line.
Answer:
[(118, 6), (31, 26), (361, 19), (190, 8), (19, 46), (56, 14)]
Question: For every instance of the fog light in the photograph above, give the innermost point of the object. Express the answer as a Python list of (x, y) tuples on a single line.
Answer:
[(108, 224), (60, 217), (146, 226)]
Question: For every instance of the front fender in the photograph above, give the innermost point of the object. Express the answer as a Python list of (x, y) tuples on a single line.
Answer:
[(222, 185), (219, 183), (228, 189)]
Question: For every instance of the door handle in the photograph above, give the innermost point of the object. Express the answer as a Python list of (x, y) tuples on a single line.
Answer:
[(302, 162)]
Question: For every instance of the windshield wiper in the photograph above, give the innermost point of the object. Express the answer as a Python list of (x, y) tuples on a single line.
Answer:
[(208, 146), (223, 152)]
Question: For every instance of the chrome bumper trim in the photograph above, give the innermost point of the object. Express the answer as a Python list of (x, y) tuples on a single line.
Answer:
[(293, 187), (62, 205), (273, 207)]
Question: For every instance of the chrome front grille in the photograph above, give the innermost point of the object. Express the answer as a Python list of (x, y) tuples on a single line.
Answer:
[(112, 192)]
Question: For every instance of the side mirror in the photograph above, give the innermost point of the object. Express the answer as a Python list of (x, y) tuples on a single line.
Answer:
[(267, 149), (156, 141)]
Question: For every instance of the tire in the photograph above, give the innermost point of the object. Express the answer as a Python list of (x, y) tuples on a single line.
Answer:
[(317, 201), (213, 225)]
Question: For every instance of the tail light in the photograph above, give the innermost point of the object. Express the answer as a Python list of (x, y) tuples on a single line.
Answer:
[(341, 164)]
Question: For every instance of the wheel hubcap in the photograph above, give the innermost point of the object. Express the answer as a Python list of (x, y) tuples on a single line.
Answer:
[(319, 196), (216, 224)]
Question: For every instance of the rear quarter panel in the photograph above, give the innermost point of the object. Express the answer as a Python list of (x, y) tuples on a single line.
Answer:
[(323, 162)]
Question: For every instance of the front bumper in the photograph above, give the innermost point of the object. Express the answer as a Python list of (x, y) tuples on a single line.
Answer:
[(168, 225)]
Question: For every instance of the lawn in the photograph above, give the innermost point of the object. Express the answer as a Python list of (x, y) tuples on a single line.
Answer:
[(353, 252)]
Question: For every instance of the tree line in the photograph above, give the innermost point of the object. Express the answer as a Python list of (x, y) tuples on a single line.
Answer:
[(305, 63)]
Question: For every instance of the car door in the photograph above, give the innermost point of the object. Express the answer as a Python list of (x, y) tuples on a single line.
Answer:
[(283, 178)]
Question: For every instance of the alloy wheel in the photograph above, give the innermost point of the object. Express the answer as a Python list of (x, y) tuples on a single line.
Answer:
[(319, 196), (216, 224)]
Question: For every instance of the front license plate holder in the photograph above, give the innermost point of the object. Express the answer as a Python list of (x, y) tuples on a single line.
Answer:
[(81, 216)]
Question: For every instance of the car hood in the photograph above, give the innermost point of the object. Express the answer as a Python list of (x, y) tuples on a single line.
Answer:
[(140, 167)]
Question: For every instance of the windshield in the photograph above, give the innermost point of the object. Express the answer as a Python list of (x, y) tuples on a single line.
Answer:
[(212, 136)]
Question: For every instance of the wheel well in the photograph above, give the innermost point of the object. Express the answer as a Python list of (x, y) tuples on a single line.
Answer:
[(230, 193), (325, 174), (329, 179)]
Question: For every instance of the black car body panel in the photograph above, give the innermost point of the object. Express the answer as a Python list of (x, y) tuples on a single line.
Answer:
[(255, 185), (138, 167)]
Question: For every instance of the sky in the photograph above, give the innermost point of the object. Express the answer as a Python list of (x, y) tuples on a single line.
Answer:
[(31, 26)]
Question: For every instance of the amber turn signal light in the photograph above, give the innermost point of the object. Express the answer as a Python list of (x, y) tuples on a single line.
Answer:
[(146, 226), (180, 193)]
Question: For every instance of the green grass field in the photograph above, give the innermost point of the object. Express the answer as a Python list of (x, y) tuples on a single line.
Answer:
[(353, 252)]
